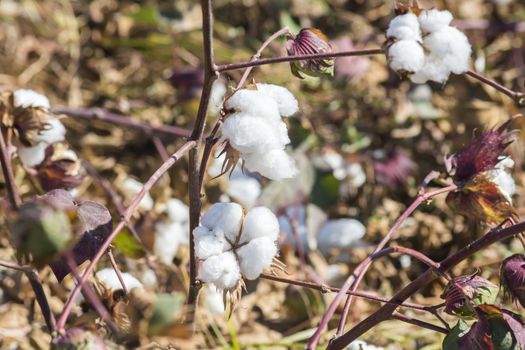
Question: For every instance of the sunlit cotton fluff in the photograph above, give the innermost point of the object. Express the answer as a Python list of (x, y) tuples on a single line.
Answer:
[(251, 250), (257, 132), (109, 278), (503, 179), (26, 98), (445, 49), (53, 132), (131, 188), (340, 234), (172, 232)]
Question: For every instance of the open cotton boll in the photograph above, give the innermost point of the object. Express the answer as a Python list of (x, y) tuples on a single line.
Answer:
[(275, 164), (255, 256), (109, 277), (504, 180), (168, 236), (255, 103), (244, 189), (53, 132), (214, 300), (406, 55), (434, 20), (404, 27), (340, 233), (226, 217), (260, 222), (131, 188), (177, 210), (220, 270), (251, 135), (208, 242), (361, 345), (453, 46), (25, 98), (434, 69), (218, 90), (32, 156), (286, 101)]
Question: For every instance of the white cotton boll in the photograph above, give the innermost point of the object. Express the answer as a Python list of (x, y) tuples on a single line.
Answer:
[(208, 243), (504, 180), (53, 132), (149, 279), (275, 164), (452, 46), (255, 256), (245, 190), (168, 236), (260, 222), (131, 188), (404, 27), (218, 90), (32, 156), (286, 101), (214, 300), (434, 69), (226, 217), (356, 175), (255, 103), (361, 345), (340, 233), (252, 135), (109, 277), (434, 20), (177, 210), (25, 98), (406, 55), (220, 270)]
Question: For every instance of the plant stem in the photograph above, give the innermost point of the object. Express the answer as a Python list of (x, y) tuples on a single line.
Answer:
[(125, 219), (518, 97), (117, 270), (352, 283), (428, 276), (263, 61), (5, 160), (14, 266), (104, 115), (41, 298), (399, 316)]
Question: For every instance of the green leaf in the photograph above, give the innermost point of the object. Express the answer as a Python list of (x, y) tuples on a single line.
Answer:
[(128, 245), (325, 191), (451, 340)]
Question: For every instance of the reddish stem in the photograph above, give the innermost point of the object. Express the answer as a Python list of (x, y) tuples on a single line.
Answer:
[(398, 316)]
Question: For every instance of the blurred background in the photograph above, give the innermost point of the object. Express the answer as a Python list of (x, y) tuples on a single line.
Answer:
[(364, 140)]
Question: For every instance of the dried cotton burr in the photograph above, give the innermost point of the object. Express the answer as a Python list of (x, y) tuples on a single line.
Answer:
[(425, 47), (231, 246), (256, 133)]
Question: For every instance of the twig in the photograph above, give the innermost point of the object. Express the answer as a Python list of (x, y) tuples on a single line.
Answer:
[(104, 115), (428, 276), (117, 270), (41, 298), (126, 217), (211, 140), (161, 149), (263, 61), (355, 278), (5, 160), (14, 266), (399, 316), (518, 97)]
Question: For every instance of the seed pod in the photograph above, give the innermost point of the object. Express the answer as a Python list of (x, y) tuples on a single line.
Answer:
[(463, 293), (512, 276), (310, 41)]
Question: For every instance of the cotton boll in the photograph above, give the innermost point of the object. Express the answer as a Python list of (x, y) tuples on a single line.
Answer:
[(361, 345), (32, 156), (218, 90), (255, 103), (434, 20), (503, 180), (356, 175), (208, 243), (220, 270), (406, 55), (26, 98), (177, 210), (251, 135), (260, 222), (53, 132), (453, 46), (214, 300), (168, 237), (131, 188), (286, 101), (245, 190), (109, 277), (256, 256), (340, 233), (434, 69), (275, 164), (226, 217), (404, 27)]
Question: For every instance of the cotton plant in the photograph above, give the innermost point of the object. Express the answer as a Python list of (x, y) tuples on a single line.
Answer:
[(172, 232), (232, 246), (423, 45), (255, 132), (340, 234)]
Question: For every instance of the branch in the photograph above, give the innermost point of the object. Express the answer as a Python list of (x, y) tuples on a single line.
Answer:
[(233, 66), (5, 160), (41, 299), (428, 276), (398, 316), (104, 115), (127, 215), (518, 97), (355, 278)]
